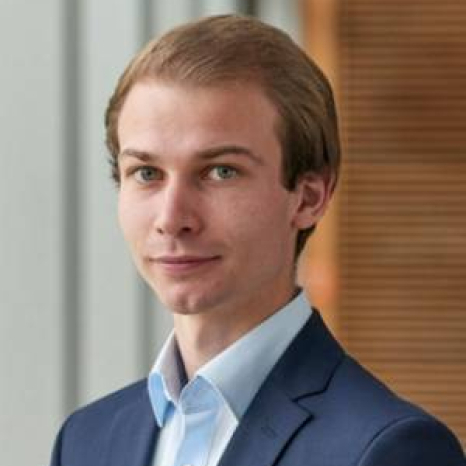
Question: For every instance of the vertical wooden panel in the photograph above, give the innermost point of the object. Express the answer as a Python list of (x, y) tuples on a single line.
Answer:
[(403, 199), (318, 269)]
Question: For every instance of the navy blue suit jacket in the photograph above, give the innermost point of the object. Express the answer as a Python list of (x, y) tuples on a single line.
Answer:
[(318, 407)]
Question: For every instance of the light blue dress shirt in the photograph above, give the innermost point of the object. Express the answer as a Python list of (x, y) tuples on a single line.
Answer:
[(197, 418)]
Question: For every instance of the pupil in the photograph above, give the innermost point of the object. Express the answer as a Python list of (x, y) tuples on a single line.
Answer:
[(147, 173)]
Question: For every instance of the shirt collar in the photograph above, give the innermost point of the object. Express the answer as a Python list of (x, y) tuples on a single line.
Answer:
[(166, 379), (238, 371)]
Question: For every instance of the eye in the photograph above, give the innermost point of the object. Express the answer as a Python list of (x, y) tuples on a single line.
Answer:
[(223, 172), (147, 174)]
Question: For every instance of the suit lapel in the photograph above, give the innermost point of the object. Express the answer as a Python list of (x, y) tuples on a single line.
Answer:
[(275, 414), (133, 435), (264, 430)]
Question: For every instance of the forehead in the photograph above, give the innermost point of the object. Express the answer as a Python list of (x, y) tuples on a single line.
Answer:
[(171, 115)]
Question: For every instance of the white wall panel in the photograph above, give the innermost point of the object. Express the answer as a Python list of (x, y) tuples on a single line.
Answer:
[(109, 306), (216, 7), (284, 14), (30, 230), (169, 14)]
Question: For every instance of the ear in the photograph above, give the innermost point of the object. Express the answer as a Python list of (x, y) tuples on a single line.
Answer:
[(313, 195)]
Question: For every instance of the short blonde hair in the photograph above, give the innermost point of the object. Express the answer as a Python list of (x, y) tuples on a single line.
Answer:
[(218, 50)]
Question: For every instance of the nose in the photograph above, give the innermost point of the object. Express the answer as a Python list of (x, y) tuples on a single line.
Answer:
[(178, 212)]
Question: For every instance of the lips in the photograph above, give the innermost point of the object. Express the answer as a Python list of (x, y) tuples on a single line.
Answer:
[(180, 264)]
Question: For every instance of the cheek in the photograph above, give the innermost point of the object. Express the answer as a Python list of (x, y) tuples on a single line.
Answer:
[(132, 218), (124, 217), (259, 222)]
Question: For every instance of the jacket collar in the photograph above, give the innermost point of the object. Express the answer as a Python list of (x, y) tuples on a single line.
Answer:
[(309, 362), (276, 413)]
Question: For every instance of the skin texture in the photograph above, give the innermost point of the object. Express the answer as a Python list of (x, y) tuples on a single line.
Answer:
[(201, 204)]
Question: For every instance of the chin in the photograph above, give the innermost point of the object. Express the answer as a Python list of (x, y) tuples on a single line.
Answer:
[(191, 303), (188, 295)]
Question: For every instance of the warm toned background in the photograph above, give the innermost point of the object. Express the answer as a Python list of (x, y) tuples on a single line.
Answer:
[(387, 268), (393, 254)]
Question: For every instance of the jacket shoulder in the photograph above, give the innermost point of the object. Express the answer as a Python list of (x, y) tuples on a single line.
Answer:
[(412, 441), (362, 422), (87, 430), (114, 401)]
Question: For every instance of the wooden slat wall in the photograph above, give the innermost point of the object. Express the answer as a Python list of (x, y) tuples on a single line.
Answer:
[(402, 226), (318, 268)]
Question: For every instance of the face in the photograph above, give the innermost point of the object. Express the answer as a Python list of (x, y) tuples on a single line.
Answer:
[(201, 203)]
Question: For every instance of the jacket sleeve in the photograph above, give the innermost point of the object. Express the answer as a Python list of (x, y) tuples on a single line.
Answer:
[(414, 441)]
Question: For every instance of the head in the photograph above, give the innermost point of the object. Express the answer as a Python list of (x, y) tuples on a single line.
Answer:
[(233, 49)]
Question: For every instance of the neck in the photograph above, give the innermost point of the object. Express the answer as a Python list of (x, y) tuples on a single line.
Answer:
[(202, 336)]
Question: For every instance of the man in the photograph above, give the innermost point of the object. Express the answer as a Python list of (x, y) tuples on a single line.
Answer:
[(225, 150)]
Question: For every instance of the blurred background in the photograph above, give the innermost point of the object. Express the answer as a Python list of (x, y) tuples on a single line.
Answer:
[(387, 267)]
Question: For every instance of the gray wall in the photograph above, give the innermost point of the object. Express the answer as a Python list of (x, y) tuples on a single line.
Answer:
[(76, 322)]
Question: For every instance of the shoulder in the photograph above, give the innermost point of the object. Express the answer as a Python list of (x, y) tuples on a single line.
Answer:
[(412, 441), (402, 433), (100, 413), (362, 422), (353, 418), (106, 407), (85, 432)]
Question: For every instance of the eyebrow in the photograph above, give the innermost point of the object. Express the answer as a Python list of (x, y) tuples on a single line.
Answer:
[(206, 154)]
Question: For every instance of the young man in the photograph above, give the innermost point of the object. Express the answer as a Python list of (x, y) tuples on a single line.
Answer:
[(225, 150)]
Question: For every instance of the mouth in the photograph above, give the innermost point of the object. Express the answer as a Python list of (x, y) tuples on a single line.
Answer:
[(182, 264)]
